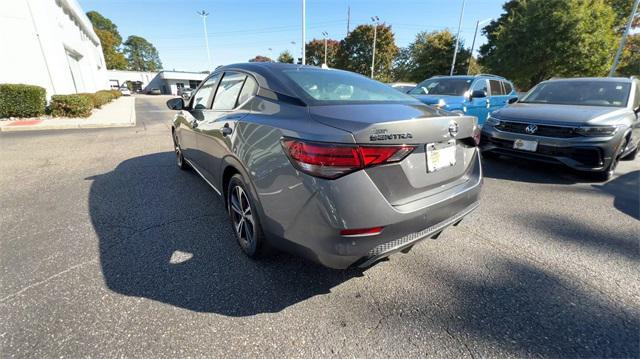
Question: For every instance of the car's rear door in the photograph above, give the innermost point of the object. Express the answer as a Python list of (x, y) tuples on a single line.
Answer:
[(217, 129)]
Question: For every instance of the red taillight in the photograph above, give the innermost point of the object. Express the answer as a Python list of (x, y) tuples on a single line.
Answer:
[(361, 232), (329, 160)]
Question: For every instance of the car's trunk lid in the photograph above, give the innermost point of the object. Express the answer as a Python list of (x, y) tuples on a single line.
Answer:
[(411, 124)]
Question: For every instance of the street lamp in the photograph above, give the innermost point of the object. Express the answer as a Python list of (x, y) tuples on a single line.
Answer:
[(304, 35), (325, 34), (455, 51), (375, 21), (473, 43), (204, 15)]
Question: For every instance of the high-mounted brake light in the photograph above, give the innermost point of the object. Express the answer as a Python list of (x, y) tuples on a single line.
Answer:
[(330, 160)]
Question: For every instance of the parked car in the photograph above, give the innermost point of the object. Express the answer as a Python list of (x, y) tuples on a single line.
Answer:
[(477, 95), (588, 124), (125, 91), (155, 91), (185, 93), (327, 164), (404, 87)]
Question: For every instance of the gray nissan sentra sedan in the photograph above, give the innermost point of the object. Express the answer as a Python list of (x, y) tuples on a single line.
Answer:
[(588, 124), (327, 164)]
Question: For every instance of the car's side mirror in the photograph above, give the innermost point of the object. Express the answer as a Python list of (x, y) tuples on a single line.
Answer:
[(637, 110), (478, 94), (513, 100), (176, 103)]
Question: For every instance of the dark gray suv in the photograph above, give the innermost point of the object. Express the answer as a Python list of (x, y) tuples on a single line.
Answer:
[(588, 124), (325, 163)]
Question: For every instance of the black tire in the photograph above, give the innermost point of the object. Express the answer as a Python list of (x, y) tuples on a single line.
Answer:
[(631, 155), (244, 218), (606, 175), (182, 164)]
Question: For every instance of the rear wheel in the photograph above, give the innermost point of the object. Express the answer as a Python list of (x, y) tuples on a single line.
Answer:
[(244, 218)]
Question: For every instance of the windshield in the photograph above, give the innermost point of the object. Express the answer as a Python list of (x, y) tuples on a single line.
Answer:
[(330, 86), (585, 93), (442, 86)]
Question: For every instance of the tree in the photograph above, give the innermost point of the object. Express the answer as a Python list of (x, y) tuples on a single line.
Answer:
[(141, 54), (536, 39), (630, 61), (110, 40), (285, 57), (622, 8), (431, 54), (114, 59), (356, 50), (314, 51), (260, 58)]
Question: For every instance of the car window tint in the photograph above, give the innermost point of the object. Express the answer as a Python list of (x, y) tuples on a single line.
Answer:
[(496, 89), (203, 95), (249, 89), (228, 91), (507, 88)]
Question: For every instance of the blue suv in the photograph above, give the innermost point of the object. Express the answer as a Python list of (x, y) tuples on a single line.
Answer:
[(474, 95)]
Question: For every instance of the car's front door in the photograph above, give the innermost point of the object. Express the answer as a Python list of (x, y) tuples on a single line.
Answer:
[(479, 106), (217, 129), (194, 114)]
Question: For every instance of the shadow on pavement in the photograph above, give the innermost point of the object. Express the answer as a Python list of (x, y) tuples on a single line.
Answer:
[(534, 313), (523, 170), (625, 190), (164, 235), (570, 230)]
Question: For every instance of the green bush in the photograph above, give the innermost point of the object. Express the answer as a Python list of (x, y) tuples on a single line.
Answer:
[(77, 105), (101, 97), (116, 93), (17, 100)]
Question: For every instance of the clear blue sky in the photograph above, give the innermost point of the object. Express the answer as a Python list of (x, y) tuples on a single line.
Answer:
[(241, 29)]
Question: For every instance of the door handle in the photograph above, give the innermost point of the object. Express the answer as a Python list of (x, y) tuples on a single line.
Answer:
[(226, 130)]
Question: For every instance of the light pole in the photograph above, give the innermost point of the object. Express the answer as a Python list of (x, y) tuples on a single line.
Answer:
[(304, 34), (204, 15), (325, 34), (473, 43), (616, 60), (455, 51), (375, 21)]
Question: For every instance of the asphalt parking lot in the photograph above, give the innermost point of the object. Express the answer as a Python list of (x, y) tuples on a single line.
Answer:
[(108, 249)]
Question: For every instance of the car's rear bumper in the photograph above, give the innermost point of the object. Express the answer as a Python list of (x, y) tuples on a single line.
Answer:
[(579, 153), (315, 232)]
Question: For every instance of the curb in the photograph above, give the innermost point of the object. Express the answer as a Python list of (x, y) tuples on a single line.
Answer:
[(71, 126)]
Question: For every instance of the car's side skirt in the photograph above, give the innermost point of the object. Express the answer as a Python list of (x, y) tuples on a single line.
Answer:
[(203, 177)]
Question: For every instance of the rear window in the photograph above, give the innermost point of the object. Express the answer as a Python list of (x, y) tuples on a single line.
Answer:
[(228, 91), (507, 87), (333, 86)]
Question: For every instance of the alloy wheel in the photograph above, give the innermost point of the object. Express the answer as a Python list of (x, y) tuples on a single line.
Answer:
[(242, 216)]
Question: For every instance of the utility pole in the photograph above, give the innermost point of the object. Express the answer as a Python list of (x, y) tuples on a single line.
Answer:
[(375, 21), (304, 35), (616, 60), (348, 19), (455, 52), (473, 43), (204, 15), (324, 33)]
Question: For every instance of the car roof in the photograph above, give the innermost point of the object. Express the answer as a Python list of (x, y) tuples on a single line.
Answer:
[(604, 79), (270, 75)]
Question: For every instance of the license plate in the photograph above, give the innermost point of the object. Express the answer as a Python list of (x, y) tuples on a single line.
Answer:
[(525, 145), (441, 155)]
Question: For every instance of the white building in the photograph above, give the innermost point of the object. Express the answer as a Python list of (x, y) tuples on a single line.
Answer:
[(50, 43), (168, 82), (139, 79)]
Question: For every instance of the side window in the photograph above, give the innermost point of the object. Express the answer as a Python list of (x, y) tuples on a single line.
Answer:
[(249, 89), (202, 97), (228, 91), (480, 85), (507, 87), (496, 89)]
